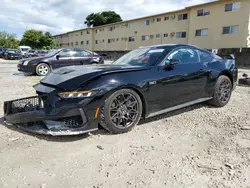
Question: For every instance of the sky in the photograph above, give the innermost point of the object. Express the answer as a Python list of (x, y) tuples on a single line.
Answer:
[(59, 16)]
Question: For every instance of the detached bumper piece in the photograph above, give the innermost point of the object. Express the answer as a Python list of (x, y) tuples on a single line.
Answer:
[(32, 115), (245, 81)]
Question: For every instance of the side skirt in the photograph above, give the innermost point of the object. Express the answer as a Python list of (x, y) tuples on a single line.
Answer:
[(178, 106)]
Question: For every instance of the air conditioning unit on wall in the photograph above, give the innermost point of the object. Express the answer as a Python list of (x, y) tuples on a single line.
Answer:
[(172, 34)]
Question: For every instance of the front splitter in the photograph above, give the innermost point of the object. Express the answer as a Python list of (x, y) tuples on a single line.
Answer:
[(40, 129)]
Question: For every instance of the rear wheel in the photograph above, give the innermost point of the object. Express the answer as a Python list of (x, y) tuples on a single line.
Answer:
[(222, 91), (42, 69), (121, 111)]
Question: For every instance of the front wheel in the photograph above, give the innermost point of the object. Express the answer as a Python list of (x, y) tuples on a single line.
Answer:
[(121, 112), (42, 69), (222, 91)]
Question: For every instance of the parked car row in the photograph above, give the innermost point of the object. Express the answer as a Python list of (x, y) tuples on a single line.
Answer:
[(21, 52), (36, 53)]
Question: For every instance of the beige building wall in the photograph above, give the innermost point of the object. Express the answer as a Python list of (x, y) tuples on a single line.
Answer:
[(81, 39), (62, 40), (122, 31), (215, 22), (115, 37), (248, 32)]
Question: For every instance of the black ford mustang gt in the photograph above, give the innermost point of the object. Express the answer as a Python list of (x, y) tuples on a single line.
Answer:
[(143, 83)]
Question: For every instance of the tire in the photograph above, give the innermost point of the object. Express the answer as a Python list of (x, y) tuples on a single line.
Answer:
[(118, 115), (42, 69), (222, 91)]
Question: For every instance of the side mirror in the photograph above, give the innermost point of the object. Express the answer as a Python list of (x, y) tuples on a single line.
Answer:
[(174, 62), (170, 63), (57, 57)]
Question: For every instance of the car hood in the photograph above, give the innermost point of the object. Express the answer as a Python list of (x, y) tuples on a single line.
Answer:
[(11, 53), (70, 78)]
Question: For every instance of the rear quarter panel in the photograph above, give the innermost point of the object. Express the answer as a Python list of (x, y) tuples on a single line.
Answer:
[(221, 67)]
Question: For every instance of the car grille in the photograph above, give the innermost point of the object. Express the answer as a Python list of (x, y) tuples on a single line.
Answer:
[(25, 105), (72, 122)]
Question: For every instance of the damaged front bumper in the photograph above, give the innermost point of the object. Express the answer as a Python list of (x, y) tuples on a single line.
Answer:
[(31, 114)]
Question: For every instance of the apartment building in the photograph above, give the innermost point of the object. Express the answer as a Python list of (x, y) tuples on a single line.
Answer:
[(218, 24)]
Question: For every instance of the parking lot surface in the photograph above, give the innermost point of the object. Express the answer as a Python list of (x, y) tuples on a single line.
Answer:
[(199, 146)]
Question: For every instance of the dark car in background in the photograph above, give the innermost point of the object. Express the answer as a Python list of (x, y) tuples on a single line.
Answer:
[(30, 53), (58, 58), (144, 83), (2, 51), (12, 54)]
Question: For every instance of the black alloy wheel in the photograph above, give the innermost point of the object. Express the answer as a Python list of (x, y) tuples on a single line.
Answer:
[(222, 91), (225, 90), (121, 111)]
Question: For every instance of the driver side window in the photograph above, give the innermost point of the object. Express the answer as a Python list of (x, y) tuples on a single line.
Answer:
[(185, 55)]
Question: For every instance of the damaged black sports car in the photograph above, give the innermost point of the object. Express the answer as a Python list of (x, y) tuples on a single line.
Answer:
[(145, 82)]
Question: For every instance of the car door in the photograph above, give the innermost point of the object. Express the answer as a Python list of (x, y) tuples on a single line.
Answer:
[(63, 58), (82, 57), (183, 82)]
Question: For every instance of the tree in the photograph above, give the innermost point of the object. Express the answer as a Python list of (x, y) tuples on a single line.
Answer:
[(106, 17), (37, 39), (8, 40)]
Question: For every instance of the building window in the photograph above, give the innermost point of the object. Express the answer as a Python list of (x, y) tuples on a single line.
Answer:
[(96, 42), (81, 42), (183, 16), (158, 19), (230, 29), (145, 37), (158, 35), (81, 32), (87, 32), (201, 32), (232, 6), (132, 25), (110, 29), (166, 18), (147, 22), (111, 40), (181, 34), (87, 42), (203, 12), (76, 43), (131, 39), (72, 43), (117, 39), (165, 35)]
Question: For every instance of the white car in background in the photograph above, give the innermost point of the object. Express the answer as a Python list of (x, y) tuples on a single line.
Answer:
[(24, 49)]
